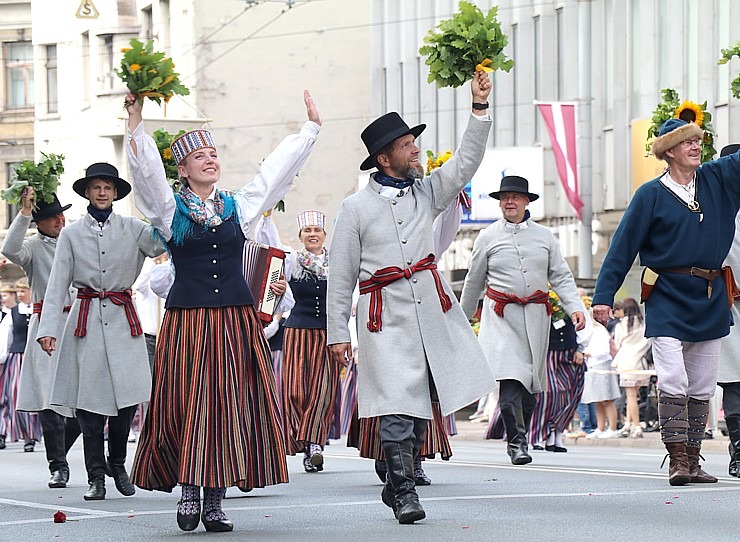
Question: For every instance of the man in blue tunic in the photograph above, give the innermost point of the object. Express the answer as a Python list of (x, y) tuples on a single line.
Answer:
[(682, 225)]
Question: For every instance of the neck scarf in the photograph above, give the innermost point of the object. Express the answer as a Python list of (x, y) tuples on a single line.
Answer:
[(100, 215), (197, 208), (191, 210), (387, 180), (316, 264)]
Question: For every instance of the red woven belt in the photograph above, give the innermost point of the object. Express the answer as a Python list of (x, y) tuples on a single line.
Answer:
[(501, 300), (117, 298), (40, 305), (383, 277)]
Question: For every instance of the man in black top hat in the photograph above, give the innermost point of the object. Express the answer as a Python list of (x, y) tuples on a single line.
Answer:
[(35, 256), (513, 261), (103, 368), (414, 341)]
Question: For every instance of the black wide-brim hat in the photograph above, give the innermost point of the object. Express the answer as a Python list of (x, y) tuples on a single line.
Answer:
[(107, 172), (514, 183), (385, 130), (727, 150), (47, 210)]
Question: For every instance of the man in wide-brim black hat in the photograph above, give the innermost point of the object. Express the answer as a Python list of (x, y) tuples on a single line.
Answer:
[(410, 329), (512, 263), (102, 371), (35, 256)]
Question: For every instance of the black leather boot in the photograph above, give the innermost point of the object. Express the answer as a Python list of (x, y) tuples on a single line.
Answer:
[(118, 430), (516, 435), (400, 460), (95, 465), (733, 428), (52, 425), (381, 469)]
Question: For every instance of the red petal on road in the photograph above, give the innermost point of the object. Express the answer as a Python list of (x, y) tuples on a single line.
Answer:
[(60, 517), (466, 527), (669, 502), (268, 516)]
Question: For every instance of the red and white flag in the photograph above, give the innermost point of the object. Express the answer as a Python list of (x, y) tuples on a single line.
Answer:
[(560, 120)]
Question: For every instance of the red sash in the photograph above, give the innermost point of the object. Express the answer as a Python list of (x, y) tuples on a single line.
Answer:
[(40, 305), (501, 300), (383, 277), (117, 298)]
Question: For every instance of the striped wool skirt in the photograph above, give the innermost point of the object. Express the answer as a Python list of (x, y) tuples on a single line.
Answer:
[(310, 387), (15, 425), (364, 434), (556, 407), (213, 419)]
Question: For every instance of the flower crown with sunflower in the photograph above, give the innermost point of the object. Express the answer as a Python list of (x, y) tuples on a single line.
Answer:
[(671, 107)]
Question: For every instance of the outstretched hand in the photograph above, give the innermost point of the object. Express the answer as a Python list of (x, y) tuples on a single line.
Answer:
[(311, 110)]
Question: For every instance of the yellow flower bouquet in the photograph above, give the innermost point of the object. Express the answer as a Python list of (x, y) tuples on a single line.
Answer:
[(436, 160), (149, 74), (558, 312), (465, 43)]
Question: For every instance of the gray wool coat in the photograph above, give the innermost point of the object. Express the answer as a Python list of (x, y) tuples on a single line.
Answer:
[(729, 356), (517, 261), (417, 338), (35, 256), (108, 369)]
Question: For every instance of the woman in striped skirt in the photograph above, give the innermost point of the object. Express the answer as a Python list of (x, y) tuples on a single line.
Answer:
[(213, 420), (310, 377)]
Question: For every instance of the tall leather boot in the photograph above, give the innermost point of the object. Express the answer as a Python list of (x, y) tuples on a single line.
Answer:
[(733, 428), (95, 464), (674, 425), (400, 460), (516, 435), (52, 425), (698, 412), (118, 430)]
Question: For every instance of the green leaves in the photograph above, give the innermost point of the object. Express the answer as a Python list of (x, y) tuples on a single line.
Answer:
[(42, 177), (727, 55), (149, 74), (462, 43), (164, 139)]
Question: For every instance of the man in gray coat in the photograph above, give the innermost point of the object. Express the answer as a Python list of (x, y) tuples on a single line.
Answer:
[(414, 340), (513, 260), (36, 255), (103, 369)]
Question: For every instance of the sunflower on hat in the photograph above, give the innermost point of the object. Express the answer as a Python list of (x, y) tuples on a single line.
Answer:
[(671, 107)]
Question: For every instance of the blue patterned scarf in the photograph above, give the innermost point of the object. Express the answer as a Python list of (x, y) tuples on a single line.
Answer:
[(190, 210)]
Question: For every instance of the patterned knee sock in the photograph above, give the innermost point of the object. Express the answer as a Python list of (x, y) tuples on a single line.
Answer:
[(190, 502), (212, 497), (673, 416)]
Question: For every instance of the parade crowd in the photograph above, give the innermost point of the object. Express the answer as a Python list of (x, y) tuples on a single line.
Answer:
[(367, 338)]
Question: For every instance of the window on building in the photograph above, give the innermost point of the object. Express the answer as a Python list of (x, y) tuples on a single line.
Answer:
[(608, 62), (536, 39), (18, 57), (147, 23), (85, 67), (52, 99), (107, 75), (636, 52), (722, 37), (560, 51), (11, 210)]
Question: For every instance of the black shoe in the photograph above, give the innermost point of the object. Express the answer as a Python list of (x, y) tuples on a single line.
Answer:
[(96, 491), (217, 525), (388, 498), (188, 522), (408, 508), (519, 456), (59, 479), (2, 442), (554, 448), (121, 479), (244, 490), (29, 446), (540, 448)]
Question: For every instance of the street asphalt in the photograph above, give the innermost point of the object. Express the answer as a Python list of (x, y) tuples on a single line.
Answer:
[(608, 490)]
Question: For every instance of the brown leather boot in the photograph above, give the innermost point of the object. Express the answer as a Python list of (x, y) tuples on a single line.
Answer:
[(698, 476), (678, 467)]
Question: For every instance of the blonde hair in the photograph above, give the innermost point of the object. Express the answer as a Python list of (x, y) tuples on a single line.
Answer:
[(22, 284)]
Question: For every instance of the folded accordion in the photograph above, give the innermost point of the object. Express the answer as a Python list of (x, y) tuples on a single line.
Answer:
[(263, 266)]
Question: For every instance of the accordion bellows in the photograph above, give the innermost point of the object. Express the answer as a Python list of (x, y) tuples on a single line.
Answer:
[(263, 265), (190, 142)]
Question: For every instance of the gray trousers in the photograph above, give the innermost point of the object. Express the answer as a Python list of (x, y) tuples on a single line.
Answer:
[(686, 369)]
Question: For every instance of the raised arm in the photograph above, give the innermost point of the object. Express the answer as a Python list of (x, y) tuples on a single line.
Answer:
[(152, 193), (14, 247), (277, 172)]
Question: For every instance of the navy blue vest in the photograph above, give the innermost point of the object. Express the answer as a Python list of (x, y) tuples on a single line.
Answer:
[(276, 341), (563, 338), (310, 303), (208, 269), (20, 331)]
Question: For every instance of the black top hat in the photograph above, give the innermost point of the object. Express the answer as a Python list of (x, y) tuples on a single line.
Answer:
[(47, 210), (383, 131), (732, 148), (104, 171), (514, 183)]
